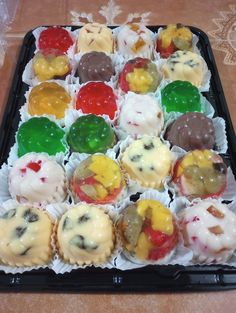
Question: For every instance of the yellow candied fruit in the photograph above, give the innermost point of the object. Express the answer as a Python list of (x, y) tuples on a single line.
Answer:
[(201, 158), (46, 68), (101, 191), (139, 80), (171, 32), (161, 217), (107, 171), (134, 27), (138, 45), (143, 247)]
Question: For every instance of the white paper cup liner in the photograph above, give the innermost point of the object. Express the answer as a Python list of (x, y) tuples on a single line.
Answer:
[(6, 206), (59, 265), (76, 158), (25, 116)]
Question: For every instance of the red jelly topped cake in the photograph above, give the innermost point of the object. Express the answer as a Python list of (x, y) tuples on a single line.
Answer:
[(54, 39), (97, 98)]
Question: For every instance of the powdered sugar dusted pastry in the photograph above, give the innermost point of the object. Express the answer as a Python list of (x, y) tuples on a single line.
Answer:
[(141, 115), (209, 230), (135, 40), (185, 65), (95, 37), (148, 161), (85, 235), (37, 178), (25, 236)]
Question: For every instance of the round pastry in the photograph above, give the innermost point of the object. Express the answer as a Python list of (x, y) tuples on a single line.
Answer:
[(39, 134), (135, 40), (141, 115), (95, 66), (85, 235), (97, 98), (200, 173), (36, 178), (209, 230), (139, 75), (90, 134), (48, 98), (148, 161), (185, 65), (95, 37), (98, 179), (54, 39), (192, 131), (174, 37), (50, 66), (25, 237), (148, 231), (181, 96)]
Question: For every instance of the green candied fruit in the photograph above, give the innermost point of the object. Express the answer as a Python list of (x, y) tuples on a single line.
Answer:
[(90, 134), (39, 134), (181, 96)]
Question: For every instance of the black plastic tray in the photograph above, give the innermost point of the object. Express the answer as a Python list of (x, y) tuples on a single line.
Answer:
[(149, 278)]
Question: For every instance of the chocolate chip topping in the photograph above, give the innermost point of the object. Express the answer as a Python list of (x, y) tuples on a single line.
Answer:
[(19, 231), (192, 131), (30, 217), (9, 214), (83, 219), (95, 66)]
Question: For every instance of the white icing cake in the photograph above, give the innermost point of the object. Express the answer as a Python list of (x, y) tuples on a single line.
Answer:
[(185, 65), (25, 235), (148, 161), (85, 235), (37, 178), (135, 40), (141, 115), (209, 230)]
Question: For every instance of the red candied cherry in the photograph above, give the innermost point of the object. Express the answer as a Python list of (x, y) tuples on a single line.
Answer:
[(97, 98), (54, 39)]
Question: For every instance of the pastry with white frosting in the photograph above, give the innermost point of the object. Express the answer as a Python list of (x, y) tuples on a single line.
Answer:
[(25, 237), (209, 230), (85, 235), (141, 115), (37, 178)]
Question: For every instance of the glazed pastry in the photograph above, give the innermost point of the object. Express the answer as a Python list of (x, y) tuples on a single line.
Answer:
[(95, 37), (139, 75), (209, 230), (38, 179), (185, 65), (90, 134), (148, 161), (98, 179), (85, 235), (148, 231), (172, 38), (48, 98), (97, 98), (95, 66), (50, 66), (39, 134), (25, 237), (192, 131), (135, 40), (181, 96), (141, 115), (200, 173), (54, 40)]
